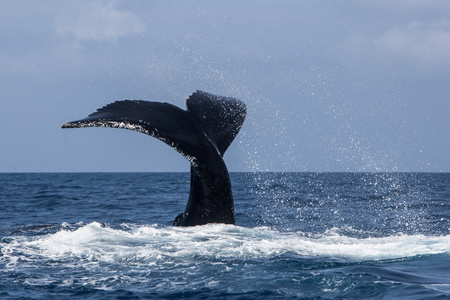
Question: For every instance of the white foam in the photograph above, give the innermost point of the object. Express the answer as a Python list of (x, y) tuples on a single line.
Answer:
[(152, 245)]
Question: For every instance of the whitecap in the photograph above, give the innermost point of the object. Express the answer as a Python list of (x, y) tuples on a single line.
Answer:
[(153, 245)]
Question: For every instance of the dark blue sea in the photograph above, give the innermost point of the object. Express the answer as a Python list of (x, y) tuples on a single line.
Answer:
[(297, 236)]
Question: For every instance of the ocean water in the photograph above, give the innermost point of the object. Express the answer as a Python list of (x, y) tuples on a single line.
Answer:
[(297, 236)]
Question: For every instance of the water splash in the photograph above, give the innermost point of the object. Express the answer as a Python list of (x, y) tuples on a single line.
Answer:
[(154, 245)]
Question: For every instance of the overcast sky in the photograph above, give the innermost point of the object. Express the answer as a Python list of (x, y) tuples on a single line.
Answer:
[(329, 85)]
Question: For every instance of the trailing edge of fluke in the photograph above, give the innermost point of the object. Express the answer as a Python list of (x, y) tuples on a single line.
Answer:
[(201, 133)]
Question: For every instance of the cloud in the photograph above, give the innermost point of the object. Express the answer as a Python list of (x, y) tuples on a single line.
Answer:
[(423, 45), (95, 20), (406, 7)]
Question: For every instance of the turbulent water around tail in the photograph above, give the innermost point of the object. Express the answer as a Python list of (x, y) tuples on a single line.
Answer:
[(297, 235)]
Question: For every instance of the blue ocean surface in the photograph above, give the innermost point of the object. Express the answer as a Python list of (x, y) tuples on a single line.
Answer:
[(297, 236)]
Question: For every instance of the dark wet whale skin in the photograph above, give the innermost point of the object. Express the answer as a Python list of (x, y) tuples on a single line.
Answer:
[(202, 134)]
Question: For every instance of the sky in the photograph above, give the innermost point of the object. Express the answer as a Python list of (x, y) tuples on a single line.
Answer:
[(359, 86)]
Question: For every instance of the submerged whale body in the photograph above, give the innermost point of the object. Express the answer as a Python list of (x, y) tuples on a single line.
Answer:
[(201, 133)]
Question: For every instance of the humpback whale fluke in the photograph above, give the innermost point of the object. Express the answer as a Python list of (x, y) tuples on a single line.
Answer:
[(201, 133)]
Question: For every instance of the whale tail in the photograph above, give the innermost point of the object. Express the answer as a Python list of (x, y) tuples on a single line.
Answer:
[(219, 118), (202, 134)]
